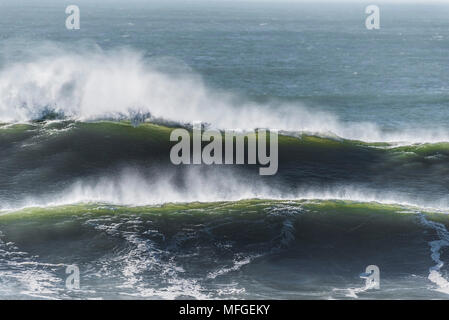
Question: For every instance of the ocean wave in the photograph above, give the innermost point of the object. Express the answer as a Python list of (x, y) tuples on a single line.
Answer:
[(91, 84), (216, 250), (118, 163), (135, 188)]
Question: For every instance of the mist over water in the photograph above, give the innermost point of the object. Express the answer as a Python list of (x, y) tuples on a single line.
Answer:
[(94, 84), (132, 187)]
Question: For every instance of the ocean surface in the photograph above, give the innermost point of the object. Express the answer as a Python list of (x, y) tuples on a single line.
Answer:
[(86, 178)]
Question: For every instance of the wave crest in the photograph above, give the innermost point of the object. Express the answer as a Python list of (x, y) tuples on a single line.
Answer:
[(121, 83)]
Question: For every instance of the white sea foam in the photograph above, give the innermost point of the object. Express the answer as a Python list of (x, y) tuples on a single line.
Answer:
[(436, 247), (95, 84), (133, 187)]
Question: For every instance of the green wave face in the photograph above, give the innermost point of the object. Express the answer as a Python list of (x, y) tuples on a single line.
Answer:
[(159, 135), (47, 157), (218, 250), (215, 248)]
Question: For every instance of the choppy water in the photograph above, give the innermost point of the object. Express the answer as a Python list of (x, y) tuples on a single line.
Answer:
[(363, 151), (249, 249)]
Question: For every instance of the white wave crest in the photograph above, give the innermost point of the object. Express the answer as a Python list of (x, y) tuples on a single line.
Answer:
[(135, 187), (95, 84)]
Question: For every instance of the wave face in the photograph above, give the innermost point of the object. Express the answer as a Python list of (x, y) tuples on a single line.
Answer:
[(104, 196), (64, 162), (92, 84), (224, 250)]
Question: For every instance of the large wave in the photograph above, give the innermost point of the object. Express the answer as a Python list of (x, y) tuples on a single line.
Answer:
[(133, 187), (63, 162), (216, 250), (88, 84)]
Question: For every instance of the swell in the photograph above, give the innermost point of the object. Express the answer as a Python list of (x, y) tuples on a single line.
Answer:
[(49, 133), (91, 84), (55, 150), (192, 249), (61, 162)]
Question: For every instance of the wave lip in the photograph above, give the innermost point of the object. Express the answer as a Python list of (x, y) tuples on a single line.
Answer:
[(95, 84)]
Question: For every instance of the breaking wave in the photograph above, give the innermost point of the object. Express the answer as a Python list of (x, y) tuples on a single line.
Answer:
[(90, 84)]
